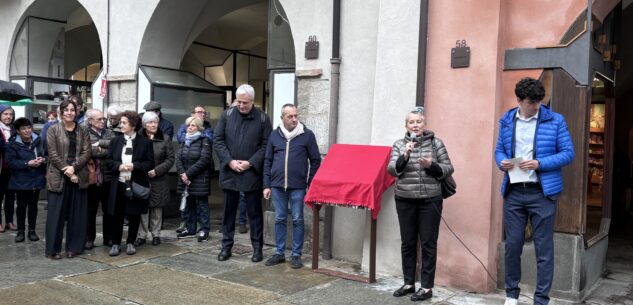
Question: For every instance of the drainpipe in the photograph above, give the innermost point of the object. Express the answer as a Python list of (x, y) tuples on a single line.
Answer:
[(424, 22), (333, 122), (107, 66)]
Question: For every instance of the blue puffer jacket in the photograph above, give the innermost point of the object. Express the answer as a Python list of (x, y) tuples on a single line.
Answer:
[(552, 148), (24, 177)]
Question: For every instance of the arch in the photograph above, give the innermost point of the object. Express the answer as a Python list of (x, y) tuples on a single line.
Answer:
[(173, 28), (61, 10)]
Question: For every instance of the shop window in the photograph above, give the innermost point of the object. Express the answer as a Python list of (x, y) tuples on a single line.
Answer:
[(599, 140)]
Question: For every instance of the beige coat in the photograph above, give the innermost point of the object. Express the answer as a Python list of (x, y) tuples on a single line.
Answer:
[(57, 143)]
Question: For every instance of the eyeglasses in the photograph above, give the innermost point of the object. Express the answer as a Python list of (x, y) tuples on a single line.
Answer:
[(419, 109), (200, 112), (100, 119)]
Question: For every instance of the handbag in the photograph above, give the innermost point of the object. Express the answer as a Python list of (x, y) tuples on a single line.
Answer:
[(448, 184), (92, 172), (139, 191)]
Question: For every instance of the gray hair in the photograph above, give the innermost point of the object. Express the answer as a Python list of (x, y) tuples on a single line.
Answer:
[(418, 110), (115, 110), (91, 112), (246, 89), (283, 108), (150, 116)]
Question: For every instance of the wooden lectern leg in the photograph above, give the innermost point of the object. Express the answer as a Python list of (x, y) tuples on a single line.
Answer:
[(315, 236), (372, 252)]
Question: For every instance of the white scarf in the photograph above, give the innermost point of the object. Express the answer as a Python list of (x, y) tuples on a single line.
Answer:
[(291, 134), (6, 130), (124, 176)]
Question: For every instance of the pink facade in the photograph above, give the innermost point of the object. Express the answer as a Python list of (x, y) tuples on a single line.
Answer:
[(463, 107)]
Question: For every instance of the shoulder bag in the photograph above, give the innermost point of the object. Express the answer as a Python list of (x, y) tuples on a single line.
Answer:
[(449, 186)]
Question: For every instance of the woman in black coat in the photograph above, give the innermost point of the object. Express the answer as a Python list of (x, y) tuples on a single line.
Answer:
[(27, 161), (131, 156), (193, 163)]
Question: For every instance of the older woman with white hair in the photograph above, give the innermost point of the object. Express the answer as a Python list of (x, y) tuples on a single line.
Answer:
[(158, 180), (193, 164)]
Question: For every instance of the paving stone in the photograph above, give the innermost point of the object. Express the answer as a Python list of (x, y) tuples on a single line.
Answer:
[(279, 278), (344, 292), (55, 292), (37, 269), (143, 253), (204, 264), (149, 283)]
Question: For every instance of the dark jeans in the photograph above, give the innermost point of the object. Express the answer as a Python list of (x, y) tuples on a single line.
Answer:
[(255, 214), (198, 210), (134, 221), (419, 219), (7, 195), (27, 200), (96, 195), (520, 204)]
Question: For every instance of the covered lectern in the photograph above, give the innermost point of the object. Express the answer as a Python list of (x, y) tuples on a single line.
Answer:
[(351, 176)]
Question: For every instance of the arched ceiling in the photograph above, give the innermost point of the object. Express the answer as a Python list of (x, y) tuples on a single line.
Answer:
[(174, 27)]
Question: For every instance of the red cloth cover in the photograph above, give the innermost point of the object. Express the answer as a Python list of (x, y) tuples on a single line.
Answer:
[(352, 175)]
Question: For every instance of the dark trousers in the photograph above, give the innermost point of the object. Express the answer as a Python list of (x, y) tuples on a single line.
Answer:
[(96, 195), (27, 200), (255, 214), (68, 206), (419, 219), (134, 221), (520, 204), (7, 195)]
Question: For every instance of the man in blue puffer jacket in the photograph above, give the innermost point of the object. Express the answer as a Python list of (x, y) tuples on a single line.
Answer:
[(540, 137)]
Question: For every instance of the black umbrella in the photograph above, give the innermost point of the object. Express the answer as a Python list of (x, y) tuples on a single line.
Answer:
[(12, 92)]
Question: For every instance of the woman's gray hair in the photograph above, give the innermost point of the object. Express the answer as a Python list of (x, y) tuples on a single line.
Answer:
[(419, 110), (246, 89), (150, 116), (115, 110)]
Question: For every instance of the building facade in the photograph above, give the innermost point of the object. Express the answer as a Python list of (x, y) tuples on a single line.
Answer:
[(367, 74)]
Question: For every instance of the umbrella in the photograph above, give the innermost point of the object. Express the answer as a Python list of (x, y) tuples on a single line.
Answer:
[(14, 94)]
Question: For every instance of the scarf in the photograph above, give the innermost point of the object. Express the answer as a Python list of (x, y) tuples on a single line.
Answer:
[(289, 135), (190, 138), (6, 131), (125, 176)]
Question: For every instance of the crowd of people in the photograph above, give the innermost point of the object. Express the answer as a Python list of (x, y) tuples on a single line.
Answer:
[(118, 162)]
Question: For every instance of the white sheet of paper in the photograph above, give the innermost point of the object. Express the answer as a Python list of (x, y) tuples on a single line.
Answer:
[(517, 174)]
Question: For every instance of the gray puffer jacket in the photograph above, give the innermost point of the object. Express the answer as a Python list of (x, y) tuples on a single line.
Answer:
[(415, 181)]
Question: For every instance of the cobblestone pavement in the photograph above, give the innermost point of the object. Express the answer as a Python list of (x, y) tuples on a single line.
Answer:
[(187, 272)]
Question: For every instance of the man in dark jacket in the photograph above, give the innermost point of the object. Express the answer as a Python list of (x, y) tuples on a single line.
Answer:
[(287, 174), (533, 141), (240, 141)]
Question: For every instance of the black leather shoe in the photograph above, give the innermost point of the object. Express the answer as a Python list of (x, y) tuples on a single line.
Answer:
[(33, 236), (257, 256), (156, 241), (402, 291), (224, 255), (139, 242), (19, 237), (420, 295)]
